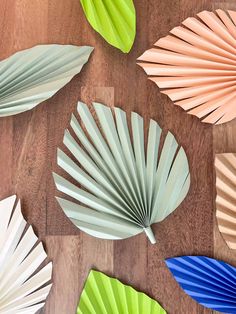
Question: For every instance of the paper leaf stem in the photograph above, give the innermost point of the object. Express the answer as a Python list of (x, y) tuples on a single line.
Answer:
[(102, 294), (126, 189), (23, 288), (225, 165), (210, 282), (115, 21), (31, 76), (196, 65)]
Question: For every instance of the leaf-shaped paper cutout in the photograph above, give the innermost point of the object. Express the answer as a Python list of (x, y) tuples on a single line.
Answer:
[(127, 189), (196, 65), (225, 165), (210, 282), (102, 294), (31, 76), (23, 288), (115, 21)]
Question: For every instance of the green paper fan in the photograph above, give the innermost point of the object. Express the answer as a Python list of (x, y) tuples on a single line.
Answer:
[(115, 21), (31, 76), (105, 295), (124, 189)]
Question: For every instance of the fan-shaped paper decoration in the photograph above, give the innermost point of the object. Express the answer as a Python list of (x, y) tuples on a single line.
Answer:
[(196, 65), (126, 189), (210, 282), (115, 21), (31, 76), (103, 294), (23, 288), (225, 165)]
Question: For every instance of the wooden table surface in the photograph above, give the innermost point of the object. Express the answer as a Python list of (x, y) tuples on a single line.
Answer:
[(28, 145)]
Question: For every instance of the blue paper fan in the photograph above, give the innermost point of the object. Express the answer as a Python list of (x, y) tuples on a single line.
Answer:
[(210, 282)]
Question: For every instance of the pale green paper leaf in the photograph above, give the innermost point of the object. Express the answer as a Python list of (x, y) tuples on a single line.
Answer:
[(31, 76), (121, 189), (102, 295), (115, 21), (23, 288)]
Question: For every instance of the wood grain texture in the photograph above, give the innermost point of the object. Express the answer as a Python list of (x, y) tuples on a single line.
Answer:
[(28, 151)]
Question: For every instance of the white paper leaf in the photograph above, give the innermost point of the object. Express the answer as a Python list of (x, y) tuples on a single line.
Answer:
[(124, 190), (31, 76), (23, 289)]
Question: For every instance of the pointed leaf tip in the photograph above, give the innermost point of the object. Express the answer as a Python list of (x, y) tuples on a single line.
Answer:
[(115, 21)]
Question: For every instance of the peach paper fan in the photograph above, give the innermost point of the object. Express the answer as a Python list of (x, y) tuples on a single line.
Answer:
[(196, 65)]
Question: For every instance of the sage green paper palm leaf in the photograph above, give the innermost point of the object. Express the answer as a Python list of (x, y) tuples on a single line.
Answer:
[(102, 295), (124, 190), (115, 21), (31, 76)]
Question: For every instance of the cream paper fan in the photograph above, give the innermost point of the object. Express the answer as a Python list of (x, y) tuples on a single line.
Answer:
[(196, 65), (23, 288)]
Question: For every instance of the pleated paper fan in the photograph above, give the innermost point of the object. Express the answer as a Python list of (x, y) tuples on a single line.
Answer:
[(127, 189), (196, 65), (102, 294), (115, 21), (210, 282), (31, 76), (23, 288), (225, 165)]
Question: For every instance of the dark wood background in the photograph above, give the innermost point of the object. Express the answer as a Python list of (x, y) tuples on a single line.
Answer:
[(28, 145)]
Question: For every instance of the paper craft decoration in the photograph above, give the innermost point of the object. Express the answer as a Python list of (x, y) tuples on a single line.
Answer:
[(31, 76), (225, 165), (210, 282), (103, 294), (115, 21), (126, 189), (23, 288), (196, 65)]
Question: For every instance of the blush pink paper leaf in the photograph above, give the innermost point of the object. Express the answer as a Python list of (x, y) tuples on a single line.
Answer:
[(196, 65), (225, 165)]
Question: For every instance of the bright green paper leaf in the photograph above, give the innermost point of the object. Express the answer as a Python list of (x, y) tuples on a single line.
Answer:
[(115, 21), (103, 295)]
